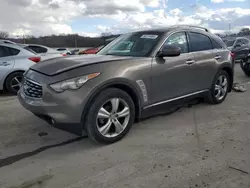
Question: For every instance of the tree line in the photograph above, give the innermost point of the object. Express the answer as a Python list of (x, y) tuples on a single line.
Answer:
[(74, 40), (70, 40), (243, 32)]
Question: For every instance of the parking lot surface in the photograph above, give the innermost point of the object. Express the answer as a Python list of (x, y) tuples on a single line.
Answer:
[(199, 146)]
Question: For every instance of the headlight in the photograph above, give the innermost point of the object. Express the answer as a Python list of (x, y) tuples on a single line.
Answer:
[(73, 83)]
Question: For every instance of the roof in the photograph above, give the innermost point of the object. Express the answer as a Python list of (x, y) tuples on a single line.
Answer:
[(11, 45), (174, 27), (6, 41)]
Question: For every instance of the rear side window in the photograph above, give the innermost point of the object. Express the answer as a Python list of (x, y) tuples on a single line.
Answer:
[(38, 49), (14, 51), (199, 42), (7, 51), (61, 49), (216, 45)]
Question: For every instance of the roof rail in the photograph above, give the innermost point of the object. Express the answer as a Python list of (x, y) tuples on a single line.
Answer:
[(194, 26)]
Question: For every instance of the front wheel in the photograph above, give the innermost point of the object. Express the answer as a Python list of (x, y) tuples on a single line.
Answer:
[(110, 117), (220, 87)]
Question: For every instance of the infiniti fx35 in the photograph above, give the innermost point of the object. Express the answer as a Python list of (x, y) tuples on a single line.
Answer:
[(105, 93)]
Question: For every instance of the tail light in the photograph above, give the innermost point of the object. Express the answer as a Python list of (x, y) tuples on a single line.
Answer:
[(64, 54), (35, 59), (232, 55)]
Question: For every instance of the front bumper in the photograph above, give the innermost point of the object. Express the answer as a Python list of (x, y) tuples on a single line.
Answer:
[(61, 115), (62, 110)]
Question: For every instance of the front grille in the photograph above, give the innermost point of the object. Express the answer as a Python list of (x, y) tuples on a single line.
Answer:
[(32, 89)]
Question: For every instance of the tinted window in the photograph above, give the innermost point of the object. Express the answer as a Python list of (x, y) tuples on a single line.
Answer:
[(230, 43), (245, 41), (38, 49), (34, 48), (239, 42), (216, 45), (199, 42), (14, 51), (178, 39), (6, 51), (30, 50), (61, 49)]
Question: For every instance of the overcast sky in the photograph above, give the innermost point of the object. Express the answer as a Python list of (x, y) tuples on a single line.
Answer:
[(92, 17)]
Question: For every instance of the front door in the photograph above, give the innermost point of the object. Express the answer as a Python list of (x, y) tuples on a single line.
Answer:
[(171, 76)]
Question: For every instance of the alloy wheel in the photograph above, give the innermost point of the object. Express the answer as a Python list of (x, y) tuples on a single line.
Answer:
[(113, 117), (15, 83), (221, 87)]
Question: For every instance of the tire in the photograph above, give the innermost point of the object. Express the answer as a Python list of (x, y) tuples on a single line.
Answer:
[(15, 80), (94, 124), (213, 92), (245, 66)]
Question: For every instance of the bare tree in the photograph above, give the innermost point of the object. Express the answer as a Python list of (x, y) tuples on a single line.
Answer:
[(4, 35)]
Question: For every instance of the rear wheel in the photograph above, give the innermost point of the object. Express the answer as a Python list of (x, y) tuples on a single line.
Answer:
[(110, 117), (13, 82), (220, 87)]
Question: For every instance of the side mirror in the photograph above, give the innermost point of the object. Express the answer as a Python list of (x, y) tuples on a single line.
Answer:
[(169, 51)]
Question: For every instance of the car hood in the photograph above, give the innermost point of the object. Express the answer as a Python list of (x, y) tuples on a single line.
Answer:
[(58, 65)]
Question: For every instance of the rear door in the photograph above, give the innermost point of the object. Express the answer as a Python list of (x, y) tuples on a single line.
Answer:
[(7, 61), (205, 60)]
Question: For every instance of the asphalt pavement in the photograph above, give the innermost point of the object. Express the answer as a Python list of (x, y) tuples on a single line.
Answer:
[(199, 146)]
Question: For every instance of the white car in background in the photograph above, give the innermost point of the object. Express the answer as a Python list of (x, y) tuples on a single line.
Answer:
[(14, 61), (44, 51), (6, 41), (64, 51)]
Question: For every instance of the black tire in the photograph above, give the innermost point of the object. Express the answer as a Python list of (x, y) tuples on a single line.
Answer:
[(97, 103), (245, 66), (211, 98), (10, 81)]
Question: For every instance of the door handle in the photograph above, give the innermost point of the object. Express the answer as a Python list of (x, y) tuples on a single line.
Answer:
[(190, 62), (217, 57), (4, 64)]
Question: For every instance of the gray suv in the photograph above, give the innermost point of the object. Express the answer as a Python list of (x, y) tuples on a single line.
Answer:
[(104, 94)]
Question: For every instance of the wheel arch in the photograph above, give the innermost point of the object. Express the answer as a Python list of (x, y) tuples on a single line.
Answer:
[(122, 84), (228, 68)]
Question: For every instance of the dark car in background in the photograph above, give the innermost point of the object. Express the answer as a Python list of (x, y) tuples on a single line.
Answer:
[(105, 93), (240, 46)]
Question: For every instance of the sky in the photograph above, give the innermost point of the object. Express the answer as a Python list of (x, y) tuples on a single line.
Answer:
[(94, 17)]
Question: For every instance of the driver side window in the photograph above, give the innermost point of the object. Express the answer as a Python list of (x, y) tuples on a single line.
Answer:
[(179, 40), (238, 42)]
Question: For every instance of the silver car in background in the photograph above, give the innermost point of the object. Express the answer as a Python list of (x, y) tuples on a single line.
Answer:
[(14, 61)]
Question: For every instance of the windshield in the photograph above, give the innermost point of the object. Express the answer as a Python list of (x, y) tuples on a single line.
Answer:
[(229, 43), (138, 44)]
